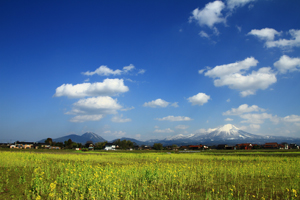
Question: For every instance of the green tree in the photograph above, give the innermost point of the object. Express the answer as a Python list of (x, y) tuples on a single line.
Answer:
[(68, 144), (158, 146), (49, 141), (100, 145)]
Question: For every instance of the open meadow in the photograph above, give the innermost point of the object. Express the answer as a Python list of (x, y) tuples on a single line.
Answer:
[(153, 175)]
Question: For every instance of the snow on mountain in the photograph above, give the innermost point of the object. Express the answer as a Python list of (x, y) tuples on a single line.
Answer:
[(226, 132), (179, 136)]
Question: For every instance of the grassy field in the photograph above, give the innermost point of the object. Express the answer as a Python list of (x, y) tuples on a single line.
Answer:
[(152, 175)]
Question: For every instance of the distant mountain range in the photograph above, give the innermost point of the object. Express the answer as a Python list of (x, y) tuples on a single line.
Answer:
[(227, 134), (89, 136)]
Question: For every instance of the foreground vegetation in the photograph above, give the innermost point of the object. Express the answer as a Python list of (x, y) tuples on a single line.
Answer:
[(115, 175)]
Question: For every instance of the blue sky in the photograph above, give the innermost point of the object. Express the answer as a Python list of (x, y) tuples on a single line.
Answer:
[(148, 69)]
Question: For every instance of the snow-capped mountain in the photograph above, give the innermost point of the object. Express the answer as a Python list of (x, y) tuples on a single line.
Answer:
[(227, 132), (224, 133), (179, 136)]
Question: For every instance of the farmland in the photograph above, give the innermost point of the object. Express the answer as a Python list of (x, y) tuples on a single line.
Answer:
[(153, 175)]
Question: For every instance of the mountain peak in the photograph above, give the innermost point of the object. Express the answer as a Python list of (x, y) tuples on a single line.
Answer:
[(228, 128)]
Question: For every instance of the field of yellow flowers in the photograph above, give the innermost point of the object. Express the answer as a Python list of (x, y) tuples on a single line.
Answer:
[(117, 175)]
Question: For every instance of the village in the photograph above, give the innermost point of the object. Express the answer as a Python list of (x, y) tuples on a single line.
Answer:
[(128, 145)]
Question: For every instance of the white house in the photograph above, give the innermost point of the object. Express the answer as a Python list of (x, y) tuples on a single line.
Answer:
[(110, 146)]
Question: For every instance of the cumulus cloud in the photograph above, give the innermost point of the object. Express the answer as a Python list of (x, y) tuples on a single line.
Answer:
[(265, 33), (199, 99), (292, 118), (282, 43), (167, 130), (156, 103), (93, 109), (182, 127), (83, 118), (173, 118), (286, 64), (231, 4), (120, 119), (96, 105), (268, 34), (234, 76), (105, 71), (228, 119), (258, 118), (244, 108), (228, 69), (210, 15), (107, 87)]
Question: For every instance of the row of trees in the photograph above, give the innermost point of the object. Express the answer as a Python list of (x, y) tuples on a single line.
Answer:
[(123, 144)]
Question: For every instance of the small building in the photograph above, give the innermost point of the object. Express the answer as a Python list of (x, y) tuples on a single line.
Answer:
[(54, 147), (271, 145), (294, 146), (110, 146), (246, 146), (22, 145), (91, 147)]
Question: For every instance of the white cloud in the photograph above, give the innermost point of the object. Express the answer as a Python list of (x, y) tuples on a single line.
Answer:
[(199, 99), (283, 43), (231, 4), (107, 87), (258, 118), (96, 105), (227, 69), (254, 126), (201, 71), (182, 127), (119, 119), (156, 103), (286, 64), (173, 118), (292, 118), (268, 34), (228, 100), (116, 133), (167, 130), (265, 33), (239, 28), (232, 75), (93, 109), (175, 104), (228, 119), (210, 14), (244, 108), (156, 127), (105, 71), (127, 109), (141, 71), (83, 118), (204, 34), (128, 68)]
